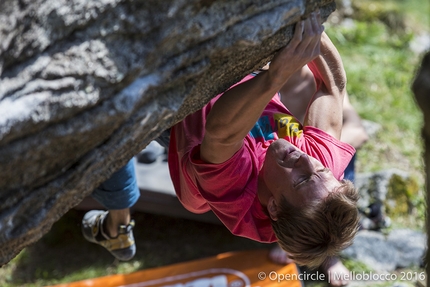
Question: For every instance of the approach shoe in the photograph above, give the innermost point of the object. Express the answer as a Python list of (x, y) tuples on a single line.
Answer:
[(122, 247)]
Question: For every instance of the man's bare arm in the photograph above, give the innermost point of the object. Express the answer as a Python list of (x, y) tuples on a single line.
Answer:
[(238, 109), (325, 108), (353, 131)]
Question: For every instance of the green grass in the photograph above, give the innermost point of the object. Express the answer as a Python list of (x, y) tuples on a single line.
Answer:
[(416, 13)]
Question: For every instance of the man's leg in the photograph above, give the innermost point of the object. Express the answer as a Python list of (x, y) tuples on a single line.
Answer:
[(113, 228), (114, 219)]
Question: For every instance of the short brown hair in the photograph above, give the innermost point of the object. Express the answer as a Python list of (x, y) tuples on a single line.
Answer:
[(321, 229)]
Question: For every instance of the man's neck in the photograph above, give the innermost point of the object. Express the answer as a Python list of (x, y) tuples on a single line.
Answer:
[(263, 192)]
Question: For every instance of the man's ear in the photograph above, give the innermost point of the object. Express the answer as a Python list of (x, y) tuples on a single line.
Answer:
[(272, 208)]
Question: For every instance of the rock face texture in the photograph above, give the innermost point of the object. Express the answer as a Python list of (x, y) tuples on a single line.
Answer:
[(402, 248), (86, 84), (421, 89)]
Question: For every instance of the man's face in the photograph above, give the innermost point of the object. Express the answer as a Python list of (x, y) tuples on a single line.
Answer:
[(301, 179)]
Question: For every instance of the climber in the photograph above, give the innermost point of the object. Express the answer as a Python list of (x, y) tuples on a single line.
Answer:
[(265, 175)]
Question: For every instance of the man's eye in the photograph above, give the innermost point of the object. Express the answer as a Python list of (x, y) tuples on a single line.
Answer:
[(303, 180)]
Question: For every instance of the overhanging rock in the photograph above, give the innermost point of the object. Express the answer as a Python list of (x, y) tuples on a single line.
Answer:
[(86, 84), (421, 89)]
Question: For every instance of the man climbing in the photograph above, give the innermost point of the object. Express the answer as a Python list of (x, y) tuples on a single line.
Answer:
[(277, 179), (264, 174)]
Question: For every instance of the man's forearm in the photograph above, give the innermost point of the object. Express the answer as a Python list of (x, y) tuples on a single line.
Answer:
[(325, 108), (329, 67)]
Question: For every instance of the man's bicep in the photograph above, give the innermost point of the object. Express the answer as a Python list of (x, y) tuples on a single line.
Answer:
[(325, 113), (214, 151)]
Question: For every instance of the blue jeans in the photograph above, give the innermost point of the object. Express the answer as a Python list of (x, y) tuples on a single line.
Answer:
[(349, 173), (120, 191)]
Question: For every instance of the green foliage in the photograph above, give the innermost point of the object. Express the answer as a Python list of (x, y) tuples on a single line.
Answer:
[(383, 11), (401, 196), (356, 266), (414, 13)]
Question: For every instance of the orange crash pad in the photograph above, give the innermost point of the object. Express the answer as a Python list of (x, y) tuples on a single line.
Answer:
[(232, 269)]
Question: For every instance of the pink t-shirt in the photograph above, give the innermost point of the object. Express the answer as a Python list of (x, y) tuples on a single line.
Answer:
[(229, 189)]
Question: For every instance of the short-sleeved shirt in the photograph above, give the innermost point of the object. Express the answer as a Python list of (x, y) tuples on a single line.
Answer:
[(229, 189)]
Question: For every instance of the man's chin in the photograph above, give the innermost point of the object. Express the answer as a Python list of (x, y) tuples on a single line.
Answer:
[(285, 145), (281, 142), (281, 148)]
